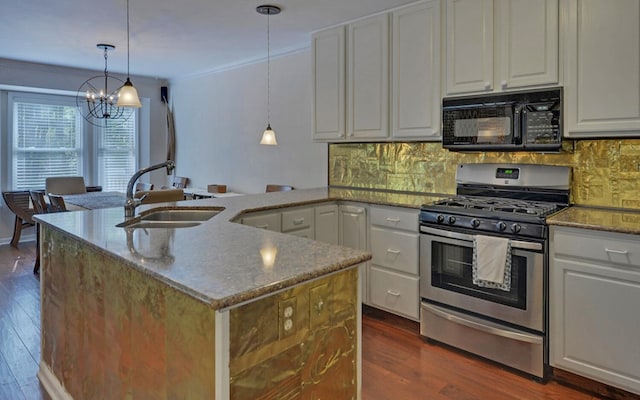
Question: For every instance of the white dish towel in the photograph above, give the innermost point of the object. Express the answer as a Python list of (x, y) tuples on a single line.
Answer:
[(492, 262)]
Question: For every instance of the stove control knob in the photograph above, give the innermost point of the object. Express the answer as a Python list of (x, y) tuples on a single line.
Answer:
[(475, 222), (501, 226), (440, 218), (515, 228), (452, 220)]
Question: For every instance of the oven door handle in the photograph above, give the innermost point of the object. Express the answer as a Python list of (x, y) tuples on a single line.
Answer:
[(515, 244), (483, 327)]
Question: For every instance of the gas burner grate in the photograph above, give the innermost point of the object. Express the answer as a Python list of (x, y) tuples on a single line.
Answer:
[(502, 205)]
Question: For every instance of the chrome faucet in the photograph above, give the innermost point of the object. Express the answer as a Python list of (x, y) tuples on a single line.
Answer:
[(131, 203)]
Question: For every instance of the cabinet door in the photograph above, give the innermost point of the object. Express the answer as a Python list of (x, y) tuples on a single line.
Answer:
[(353, 233), (594, 289), (327, 223), (469, 54), (368, 78), (328, 52), (528, 34), (602, 88), (416, 71)]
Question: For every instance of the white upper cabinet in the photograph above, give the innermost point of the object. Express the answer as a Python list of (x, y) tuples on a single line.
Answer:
[(328, 63), (415, 71), (469, 53), (528, 35), (368, 78), (378, 78), (496, 45), (602, 68)]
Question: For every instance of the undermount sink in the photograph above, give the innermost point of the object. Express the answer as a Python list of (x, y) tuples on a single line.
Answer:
[(162, 224), (176, 217)]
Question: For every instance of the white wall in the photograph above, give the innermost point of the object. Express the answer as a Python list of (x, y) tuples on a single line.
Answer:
[(220, 119), (38, 77)]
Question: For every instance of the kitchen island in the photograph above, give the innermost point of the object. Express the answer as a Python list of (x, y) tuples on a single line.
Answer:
[(197, 312)]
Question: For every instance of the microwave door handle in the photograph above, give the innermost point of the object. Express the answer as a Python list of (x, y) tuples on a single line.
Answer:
[(518, 124)]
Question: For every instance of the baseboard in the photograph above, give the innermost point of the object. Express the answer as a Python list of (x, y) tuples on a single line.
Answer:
[(396, 321), (591, 386), (51, 384)]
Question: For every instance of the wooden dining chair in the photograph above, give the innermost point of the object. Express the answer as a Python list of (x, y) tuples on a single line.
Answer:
[(18, 203), (180, 182), (56, 203), (40, 206), (65, 185), (278, 188), (140, 186), (38, 200)]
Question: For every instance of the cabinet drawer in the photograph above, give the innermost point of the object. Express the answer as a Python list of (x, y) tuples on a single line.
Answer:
[(395, 217), (297, 219), (394, 292), (305, 233), (394, 249), (609, 247), (264, 221)]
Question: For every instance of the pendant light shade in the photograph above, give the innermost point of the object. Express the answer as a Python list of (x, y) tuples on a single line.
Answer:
[(269, 135), (128, 95)]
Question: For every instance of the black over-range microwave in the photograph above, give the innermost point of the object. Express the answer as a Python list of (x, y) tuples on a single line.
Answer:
[(514, 121)]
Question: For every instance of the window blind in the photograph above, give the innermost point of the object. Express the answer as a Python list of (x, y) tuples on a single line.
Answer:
[(50, 138), (116, 154), (46, 142)]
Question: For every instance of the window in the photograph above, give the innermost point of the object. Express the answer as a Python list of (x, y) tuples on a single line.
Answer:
[(50, 138), (47, 140), (117, 155)]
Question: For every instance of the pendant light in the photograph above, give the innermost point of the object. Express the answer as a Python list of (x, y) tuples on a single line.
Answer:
[(128, 95), (268, 136)]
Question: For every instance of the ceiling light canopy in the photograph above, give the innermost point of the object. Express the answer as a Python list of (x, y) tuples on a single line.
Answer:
[(269, 135)]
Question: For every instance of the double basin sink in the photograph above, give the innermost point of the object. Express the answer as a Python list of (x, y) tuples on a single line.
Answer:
[(172, 217)]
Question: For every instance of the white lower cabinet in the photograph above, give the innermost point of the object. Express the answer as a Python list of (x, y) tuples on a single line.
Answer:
[(394, 275), (353, 233), (594, 305), (390, 281), (299, 222), (269, 220), (327, 223)]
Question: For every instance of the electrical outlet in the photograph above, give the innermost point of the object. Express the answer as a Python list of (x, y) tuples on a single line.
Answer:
[(287, 317)]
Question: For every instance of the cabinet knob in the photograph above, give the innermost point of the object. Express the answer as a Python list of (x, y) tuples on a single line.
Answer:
[(504, 84), (487, 85)]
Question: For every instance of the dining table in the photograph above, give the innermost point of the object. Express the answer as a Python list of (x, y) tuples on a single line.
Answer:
[(93, 200)]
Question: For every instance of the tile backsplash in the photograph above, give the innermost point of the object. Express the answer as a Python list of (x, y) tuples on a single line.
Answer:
[(605, 172)]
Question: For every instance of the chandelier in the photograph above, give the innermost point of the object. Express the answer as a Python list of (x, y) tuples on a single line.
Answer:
[(99, 104), (96, 101)]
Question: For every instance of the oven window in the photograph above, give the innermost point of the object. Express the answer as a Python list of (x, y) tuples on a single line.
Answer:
[(451, 270)]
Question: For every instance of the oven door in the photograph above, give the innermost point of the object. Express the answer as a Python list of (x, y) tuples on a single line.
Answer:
[(446, 278), (481, 126)]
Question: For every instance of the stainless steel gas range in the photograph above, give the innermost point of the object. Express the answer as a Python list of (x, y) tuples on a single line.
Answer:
[(484, 263)]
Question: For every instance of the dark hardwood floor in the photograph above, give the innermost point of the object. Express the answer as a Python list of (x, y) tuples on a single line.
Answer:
[(397, 364)]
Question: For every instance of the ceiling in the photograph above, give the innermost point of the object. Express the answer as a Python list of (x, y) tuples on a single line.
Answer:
[(170, 39)]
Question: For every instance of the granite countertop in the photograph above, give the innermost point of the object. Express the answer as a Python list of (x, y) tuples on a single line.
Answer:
[(219, 261), (602, 219)]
